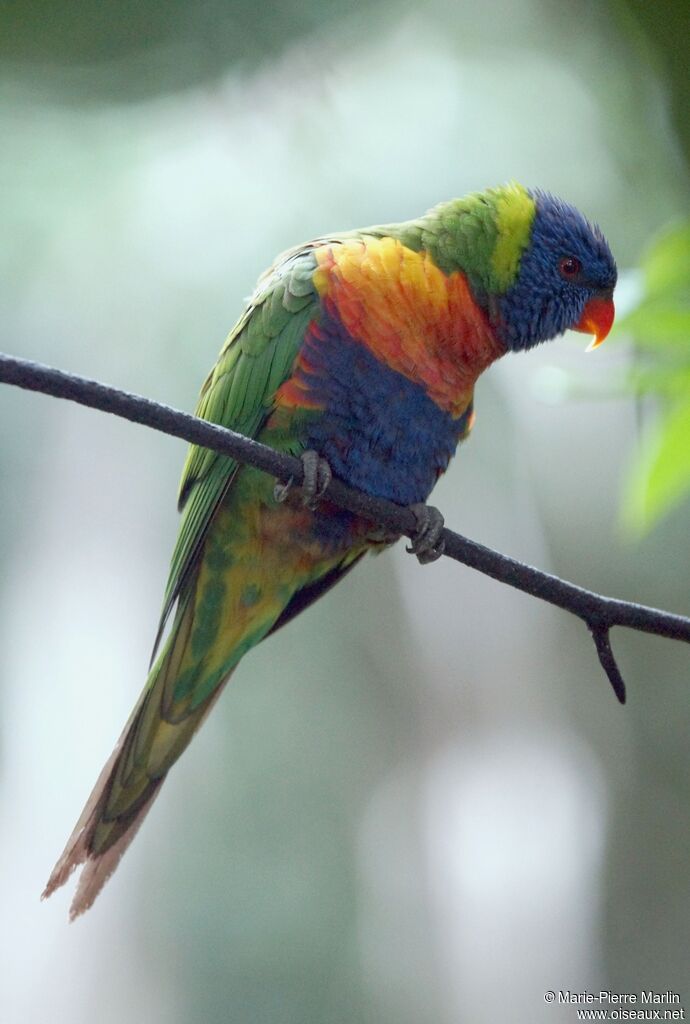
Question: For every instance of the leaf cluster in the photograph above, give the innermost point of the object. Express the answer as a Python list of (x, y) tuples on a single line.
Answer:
[(659, 327)]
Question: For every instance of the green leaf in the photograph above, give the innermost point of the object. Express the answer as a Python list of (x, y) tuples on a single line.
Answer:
[(662, 321), (667, 264), (660, 478), (669, 381)]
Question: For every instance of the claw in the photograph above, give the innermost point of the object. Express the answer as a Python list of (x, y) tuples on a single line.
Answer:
[(317, 477), (281, 491), (427, 543)]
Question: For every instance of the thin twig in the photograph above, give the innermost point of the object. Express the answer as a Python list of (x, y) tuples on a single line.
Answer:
[(599, 613), (602, 642)]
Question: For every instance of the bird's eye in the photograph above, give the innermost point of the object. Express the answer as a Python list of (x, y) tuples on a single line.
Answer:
[(570, 267)]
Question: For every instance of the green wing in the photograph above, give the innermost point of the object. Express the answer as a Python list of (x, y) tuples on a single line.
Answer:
[(238, 393)]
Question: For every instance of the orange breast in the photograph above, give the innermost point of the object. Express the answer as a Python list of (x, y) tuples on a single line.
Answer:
[(416, 319)]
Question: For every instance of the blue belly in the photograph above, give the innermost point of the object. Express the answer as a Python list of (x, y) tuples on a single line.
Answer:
[(380, 432)]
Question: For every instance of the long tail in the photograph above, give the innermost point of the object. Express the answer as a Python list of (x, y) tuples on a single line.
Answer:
[(157, 732)]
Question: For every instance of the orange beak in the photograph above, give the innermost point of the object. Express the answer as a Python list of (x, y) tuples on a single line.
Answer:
[(597, 318)]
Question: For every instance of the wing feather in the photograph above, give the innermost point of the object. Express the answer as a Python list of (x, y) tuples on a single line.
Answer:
[(238, 393)]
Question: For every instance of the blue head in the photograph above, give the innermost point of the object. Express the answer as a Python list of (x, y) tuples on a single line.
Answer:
[(565, 279)]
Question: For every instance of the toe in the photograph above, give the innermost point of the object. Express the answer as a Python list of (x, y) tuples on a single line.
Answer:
[(317, 477)]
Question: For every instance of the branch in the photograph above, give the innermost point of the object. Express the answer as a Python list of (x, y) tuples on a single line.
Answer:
[(600, 614)]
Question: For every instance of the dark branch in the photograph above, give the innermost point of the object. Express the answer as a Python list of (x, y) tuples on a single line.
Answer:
[(599, 613), (600, 635)]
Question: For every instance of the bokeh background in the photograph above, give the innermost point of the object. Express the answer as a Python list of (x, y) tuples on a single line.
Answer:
[(421, 801)]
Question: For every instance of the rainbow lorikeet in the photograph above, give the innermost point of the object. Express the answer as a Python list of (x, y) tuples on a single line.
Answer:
[(359, 352)]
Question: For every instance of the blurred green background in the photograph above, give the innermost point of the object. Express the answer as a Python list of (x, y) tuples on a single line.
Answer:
[(420, 802)]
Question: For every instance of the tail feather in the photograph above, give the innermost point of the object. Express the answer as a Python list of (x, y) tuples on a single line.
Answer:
[(97, 867), (132, 777), (232, 600)]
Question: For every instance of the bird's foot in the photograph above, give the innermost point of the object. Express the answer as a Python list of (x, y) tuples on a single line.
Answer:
[(427, 543), (317, 477)]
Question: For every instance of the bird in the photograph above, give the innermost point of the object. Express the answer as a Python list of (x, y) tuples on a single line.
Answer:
[(359, 353)]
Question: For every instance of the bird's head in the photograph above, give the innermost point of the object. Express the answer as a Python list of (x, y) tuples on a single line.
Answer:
[(563, 273)]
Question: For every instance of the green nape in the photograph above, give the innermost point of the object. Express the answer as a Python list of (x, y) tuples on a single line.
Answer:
[(483, 234)]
